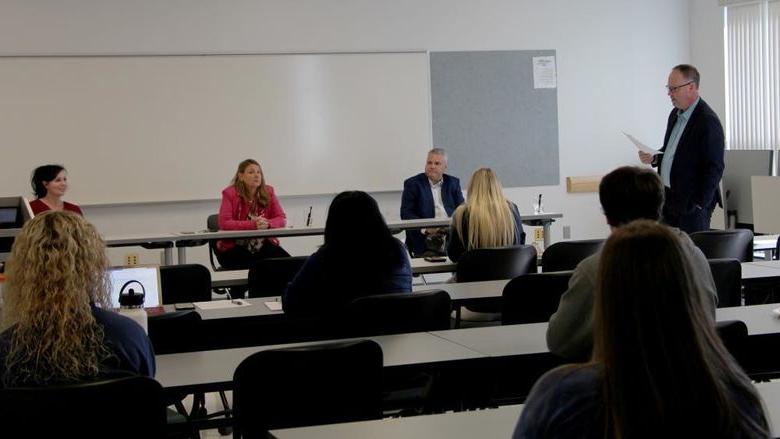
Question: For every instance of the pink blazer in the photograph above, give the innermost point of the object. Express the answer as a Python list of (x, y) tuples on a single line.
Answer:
[(234, 214)]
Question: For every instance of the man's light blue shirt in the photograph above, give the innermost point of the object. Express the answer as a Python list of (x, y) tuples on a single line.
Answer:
[(674, 139)]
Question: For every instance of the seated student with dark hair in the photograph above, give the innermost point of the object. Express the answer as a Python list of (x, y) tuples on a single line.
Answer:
[(626, 194), (57, 324), (659, 368), (360, 257), (49, 183)]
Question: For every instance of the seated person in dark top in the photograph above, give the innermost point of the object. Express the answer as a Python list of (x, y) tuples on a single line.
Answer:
[(360, 257), (49, 182), (57, 324), (487, 219), (659, 368), (626, 194)]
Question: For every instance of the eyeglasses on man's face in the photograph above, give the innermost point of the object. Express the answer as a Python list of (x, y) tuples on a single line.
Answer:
[(674, 88)]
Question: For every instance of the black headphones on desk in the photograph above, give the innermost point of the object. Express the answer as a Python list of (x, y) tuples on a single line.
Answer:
[(131, 298)]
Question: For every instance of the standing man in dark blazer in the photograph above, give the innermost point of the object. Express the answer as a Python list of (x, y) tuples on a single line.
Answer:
[(691, 165), (432, 194)]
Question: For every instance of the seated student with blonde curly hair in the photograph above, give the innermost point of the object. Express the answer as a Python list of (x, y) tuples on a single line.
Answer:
[(57, 324)]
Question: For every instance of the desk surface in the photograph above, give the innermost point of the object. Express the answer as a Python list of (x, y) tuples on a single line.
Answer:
[(491, 423), (217, 367)]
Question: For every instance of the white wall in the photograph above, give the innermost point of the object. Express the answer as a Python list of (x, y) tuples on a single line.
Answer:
[(613, 59)]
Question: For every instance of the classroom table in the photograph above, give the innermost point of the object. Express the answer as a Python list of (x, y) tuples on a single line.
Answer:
[(766, 244), (213, 370), (236, 278), (489, 423), (543, 219)]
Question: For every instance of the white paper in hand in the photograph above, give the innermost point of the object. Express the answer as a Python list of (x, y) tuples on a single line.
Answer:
[(641, 146)]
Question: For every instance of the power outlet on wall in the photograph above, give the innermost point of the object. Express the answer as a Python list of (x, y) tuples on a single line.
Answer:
[(566, 232), (131, 259), (539, 234)]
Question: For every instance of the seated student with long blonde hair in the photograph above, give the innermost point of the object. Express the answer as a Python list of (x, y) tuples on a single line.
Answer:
[(57, 324), (486, 219), (659, 368)]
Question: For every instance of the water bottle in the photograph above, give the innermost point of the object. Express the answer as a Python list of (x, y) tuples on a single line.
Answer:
[(131, 304)]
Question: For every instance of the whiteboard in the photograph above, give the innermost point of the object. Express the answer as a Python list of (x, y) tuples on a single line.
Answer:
[(166, 128)]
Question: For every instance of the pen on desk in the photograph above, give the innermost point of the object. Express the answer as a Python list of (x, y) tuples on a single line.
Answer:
[(308, 218)]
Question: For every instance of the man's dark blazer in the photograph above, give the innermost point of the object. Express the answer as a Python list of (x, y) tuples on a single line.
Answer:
[(417, 202), (698, 162)]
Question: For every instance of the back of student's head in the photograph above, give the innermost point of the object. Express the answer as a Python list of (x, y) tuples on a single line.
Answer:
[(490, 221), (355, 225), (56, 269), (629, 193), (665, 369)]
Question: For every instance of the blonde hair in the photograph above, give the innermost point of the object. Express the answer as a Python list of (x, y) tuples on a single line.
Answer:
[(262, 196), (486, 210), (56, 270)]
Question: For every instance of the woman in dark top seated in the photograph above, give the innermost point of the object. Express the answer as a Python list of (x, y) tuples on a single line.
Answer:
[(360, 257), (486, 219), (659, 368), (57, 322), (49, 182)]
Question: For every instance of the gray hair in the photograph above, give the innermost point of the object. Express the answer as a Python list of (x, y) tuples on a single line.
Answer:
[(689, 72), (439, 151)]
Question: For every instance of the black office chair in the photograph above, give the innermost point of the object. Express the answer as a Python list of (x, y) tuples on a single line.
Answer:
[(397, 313), (565, 255), (185, 283), (269, 277), (493, 264), (718, 244), (533, 297), (126, 407), (734, 335), (212, 225), (309, 385), (727, 274)]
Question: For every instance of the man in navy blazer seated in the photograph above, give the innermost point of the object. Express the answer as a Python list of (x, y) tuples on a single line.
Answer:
[(432, 194), (691, 165)]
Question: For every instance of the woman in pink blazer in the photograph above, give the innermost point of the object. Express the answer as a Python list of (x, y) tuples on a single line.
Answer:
[(249, 204)]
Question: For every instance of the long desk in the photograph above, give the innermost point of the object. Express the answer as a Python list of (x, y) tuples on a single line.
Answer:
[(491, 423), (208, 370), (234, 278), (543, 219), (211, 370)]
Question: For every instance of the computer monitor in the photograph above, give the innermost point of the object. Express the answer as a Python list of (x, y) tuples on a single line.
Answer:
[(14, 212), (133, 277), (740, 166)]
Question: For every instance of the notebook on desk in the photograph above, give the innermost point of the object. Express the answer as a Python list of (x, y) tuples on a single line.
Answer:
[(133, 277)]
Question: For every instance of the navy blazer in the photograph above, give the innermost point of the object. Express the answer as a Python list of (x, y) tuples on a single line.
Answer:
[(417, 202), (698, 162)]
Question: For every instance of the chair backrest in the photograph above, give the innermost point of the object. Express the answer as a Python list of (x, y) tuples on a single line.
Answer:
[(734, 335), (121, 407), (309, 385), (185, 283), (565, 255), (533, 297), (716, 244), (212, 225), (178, 331), (727, 274), (269, 277), (496, 263), (397, 313)]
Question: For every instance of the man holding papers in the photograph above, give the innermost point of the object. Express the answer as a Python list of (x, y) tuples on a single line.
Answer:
[(691, 162)]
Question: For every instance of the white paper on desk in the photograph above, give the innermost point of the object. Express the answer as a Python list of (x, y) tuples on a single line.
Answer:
[(221, 304), (641, 146), (274, 306), (544, 72)]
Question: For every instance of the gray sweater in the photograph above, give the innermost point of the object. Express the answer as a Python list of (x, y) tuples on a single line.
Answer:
[(570, 331)]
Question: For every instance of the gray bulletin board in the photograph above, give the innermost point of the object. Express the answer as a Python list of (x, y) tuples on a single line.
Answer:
[(487, 113)]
